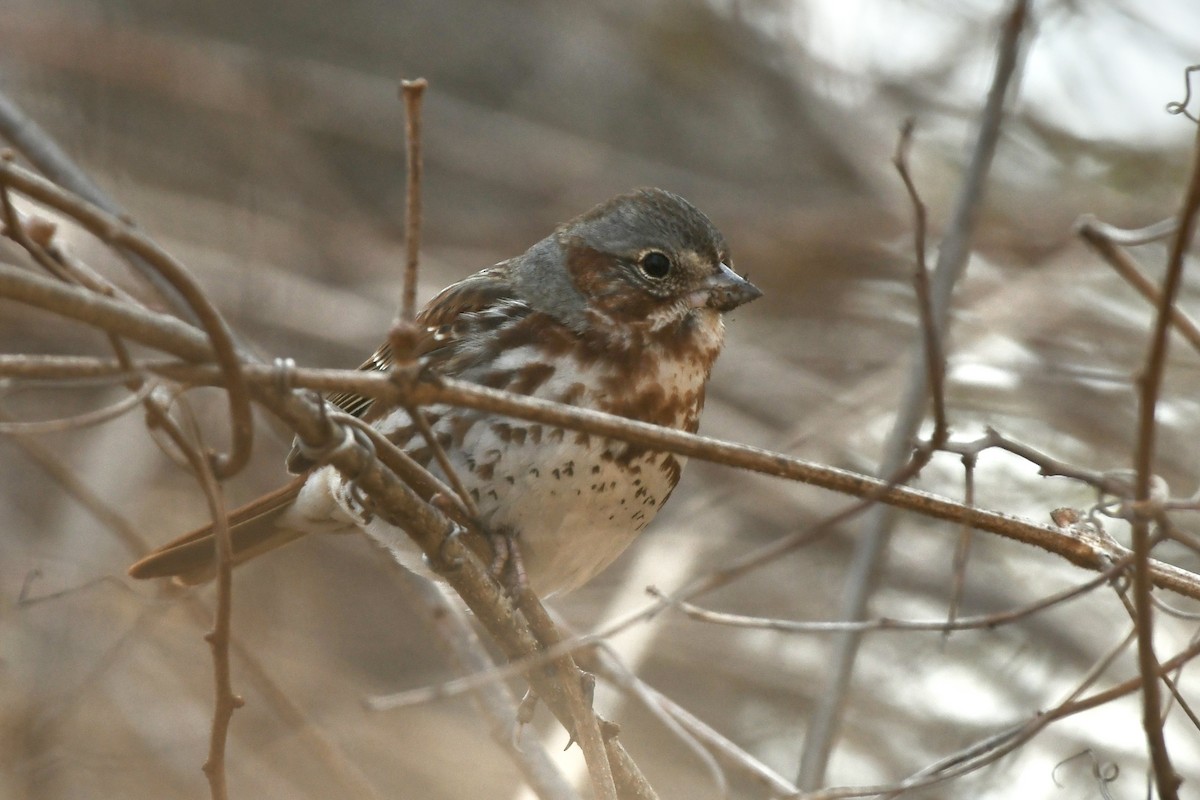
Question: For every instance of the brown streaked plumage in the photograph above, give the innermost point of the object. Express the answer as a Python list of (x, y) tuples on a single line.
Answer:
[(619, 310)]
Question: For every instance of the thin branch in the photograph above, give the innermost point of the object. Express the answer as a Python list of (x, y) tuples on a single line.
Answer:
[(1176, 695), (935, 360), (600, 760), (618, 674), (962, 549), (23, 133), (1127, 237), (994, 747), (952, 260), (1086, 549), (118, 233), (1150, 384), (1111, 483), (225, 701), (443, 460), (84, 420), (981, 622), (727, 752), (412, 92), (425, 483), (1103, 239), (464, 651)]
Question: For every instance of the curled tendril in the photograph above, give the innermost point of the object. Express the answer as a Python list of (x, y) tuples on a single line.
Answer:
[(1181, 106), (1105, 772)]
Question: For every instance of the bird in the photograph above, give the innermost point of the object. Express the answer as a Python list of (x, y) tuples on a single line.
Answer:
[(621, 310)]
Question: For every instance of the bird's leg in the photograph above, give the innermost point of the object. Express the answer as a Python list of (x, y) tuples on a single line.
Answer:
[(507, 565)]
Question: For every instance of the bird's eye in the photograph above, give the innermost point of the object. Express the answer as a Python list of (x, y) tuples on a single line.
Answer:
[(655, 265)]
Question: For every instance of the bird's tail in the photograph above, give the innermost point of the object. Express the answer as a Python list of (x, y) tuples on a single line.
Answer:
[(192, 558)]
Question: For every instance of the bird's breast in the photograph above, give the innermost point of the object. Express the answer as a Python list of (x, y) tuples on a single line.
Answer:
[(574, 500)]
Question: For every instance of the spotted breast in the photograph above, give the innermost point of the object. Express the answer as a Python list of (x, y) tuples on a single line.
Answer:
[(619, 310)]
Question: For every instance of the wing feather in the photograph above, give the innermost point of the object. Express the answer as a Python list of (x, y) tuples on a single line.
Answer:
[(445, 320)]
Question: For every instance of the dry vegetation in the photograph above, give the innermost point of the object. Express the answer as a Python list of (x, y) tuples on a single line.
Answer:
[(1031, 385)]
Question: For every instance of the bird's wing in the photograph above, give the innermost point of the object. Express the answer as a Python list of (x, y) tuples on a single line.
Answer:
[(444, 322)]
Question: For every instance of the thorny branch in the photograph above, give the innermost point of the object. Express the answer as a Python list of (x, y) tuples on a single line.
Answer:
[(226, 702)]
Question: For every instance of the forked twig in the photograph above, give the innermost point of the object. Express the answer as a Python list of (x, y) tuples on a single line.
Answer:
[(952, 260), (117, 232), (935, 359)]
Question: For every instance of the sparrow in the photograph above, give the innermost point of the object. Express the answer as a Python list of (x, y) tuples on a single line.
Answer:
[(618, 310)]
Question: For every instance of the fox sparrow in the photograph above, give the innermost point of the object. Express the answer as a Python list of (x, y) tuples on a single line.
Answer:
[(618, 310)]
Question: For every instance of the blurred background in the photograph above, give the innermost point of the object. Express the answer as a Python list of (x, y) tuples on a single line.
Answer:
[(262, 143)]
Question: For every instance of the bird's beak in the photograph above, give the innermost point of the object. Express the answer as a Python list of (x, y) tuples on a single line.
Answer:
[(724, 291)]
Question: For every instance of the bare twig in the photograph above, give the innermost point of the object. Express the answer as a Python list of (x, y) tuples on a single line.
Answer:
[(996, 746), (226, 702), (413, 92), (1150, 384), (982, 622), (1102, 239), (620, 675), (463, 649), (935, 361), (1109, 482), (962, 549), (117, 232), (1089, 550), (728, 753), (1176, 695), (84, 420), (424, 482), (443, 460), (43, 152), (952, 259), (586, 729)]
